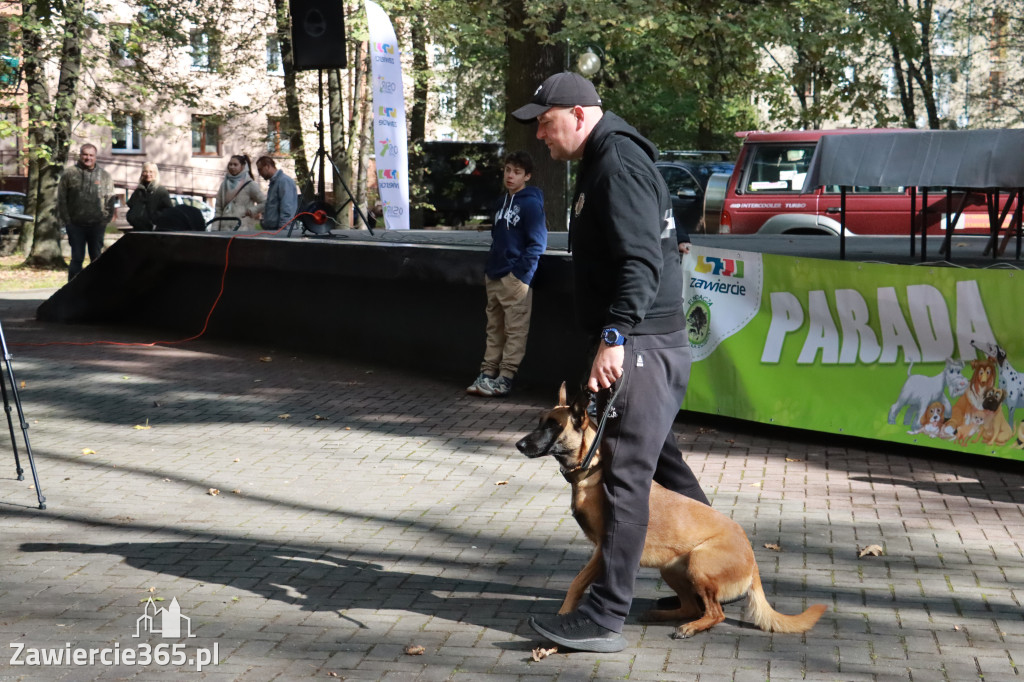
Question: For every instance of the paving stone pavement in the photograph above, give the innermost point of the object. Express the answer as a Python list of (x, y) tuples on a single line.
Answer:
[(362, 510)]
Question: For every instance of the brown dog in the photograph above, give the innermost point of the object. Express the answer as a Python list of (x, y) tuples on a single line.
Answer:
[(703, 555)]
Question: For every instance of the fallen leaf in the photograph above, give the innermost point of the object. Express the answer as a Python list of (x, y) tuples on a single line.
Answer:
[(319, 418), (956, 628), (23, 384), (871, 550), (756, 485), (167, 480), (88, 451), (237, 491), (126, 377), (266, 358), (153, 598), (793, 459), (140, 427), (541, 653), (772, 546), (284, 416), (237, 459), (501, 483), (348, 428), (414, 650), (152, 589), (332, 674), (213, 491)]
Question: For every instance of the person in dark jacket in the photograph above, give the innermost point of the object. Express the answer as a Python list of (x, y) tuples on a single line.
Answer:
[(149, 199), (628, 292), (518, 238), (85, 205)]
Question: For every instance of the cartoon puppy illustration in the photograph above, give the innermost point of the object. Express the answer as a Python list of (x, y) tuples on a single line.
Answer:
[(995, 430), (931, 420), (968, 429)]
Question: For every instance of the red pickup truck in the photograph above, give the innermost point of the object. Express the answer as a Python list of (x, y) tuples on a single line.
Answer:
[(764, 195)]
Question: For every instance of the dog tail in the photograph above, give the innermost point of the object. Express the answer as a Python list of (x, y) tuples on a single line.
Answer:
[(760, 612)]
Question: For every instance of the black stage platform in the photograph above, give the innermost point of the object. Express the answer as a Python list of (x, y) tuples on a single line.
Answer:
[(413, 299)]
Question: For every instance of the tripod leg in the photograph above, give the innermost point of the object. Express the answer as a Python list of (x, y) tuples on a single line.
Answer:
[(10, 426), (21, 418)]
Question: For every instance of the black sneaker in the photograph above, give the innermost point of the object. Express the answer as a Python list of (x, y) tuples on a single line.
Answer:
[(576, 631)]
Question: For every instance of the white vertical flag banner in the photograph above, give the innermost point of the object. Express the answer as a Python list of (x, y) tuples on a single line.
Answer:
[(389, 137)]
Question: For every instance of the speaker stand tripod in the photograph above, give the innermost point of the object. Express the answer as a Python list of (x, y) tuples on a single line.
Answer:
[(7, 375), (319, 202)]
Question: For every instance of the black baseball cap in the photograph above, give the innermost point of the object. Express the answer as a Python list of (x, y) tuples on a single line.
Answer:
[(566, 89)]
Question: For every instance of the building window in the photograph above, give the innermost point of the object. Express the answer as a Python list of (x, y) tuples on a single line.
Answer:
[(127, 133), (205, 48), (205, 136), (121, 44), (278, 143), (275, 66)]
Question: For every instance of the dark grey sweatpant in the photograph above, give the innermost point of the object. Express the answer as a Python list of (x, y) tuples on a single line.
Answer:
[(639, 446)]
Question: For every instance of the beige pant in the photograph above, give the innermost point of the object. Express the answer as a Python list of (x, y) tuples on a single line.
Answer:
[(509, 303)]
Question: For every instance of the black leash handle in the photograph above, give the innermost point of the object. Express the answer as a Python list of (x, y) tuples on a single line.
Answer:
[(600, 428)]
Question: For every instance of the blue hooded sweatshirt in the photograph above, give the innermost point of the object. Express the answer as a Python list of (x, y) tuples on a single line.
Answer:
[(519, 235)]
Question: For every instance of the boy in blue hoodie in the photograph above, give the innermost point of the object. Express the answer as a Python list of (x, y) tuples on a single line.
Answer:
[(518, 238)]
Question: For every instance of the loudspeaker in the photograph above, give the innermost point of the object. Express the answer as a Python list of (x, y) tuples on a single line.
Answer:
[(318, 34)]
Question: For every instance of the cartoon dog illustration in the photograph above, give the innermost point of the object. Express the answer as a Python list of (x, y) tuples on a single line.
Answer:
[(995, 430), (982, 380), (1010, 380), (919, 391), (931, 421), (969, 427)]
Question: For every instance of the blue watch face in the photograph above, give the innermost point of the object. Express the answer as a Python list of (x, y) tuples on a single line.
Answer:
[(612, 337)]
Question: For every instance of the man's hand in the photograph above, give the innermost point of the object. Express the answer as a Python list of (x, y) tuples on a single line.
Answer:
[(684, 248), (607, 367)]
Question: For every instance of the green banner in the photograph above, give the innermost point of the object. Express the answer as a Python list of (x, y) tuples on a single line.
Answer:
[(921, 355)]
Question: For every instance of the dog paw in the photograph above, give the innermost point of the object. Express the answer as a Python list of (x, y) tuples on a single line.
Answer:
[(682, 634)]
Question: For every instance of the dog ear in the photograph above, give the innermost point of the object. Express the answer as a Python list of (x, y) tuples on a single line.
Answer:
[(561, 396), (578, 411)]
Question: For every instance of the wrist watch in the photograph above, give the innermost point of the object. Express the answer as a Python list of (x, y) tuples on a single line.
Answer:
[(612, 337)]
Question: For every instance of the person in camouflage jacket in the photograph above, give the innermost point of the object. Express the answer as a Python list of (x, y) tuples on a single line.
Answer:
[(85, 204)]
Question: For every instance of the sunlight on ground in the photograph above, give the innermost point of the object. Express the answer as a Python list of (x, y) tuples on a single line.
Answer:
[(14, 275)]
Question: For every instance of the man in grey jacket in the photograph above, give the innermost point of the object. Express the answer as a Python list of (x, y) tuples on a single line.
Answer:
[(282, 195), (85, 205)]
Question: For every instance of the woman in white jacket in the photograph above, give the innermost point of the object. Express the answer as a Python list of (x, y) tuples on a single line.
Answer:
[(239, 196)]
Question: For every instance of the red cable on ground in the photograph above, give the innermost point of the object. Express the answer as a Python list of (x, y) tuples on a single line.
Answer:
[(206, 322)]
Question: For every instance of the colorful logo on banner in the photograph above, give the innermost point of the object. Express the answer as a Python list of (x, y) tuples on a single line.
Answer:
[(721, 285), (924, 355), (391, 142)]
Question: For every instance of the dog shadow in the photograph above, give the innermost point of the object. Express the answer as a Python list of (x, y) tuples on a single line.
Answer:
[(320, 581)]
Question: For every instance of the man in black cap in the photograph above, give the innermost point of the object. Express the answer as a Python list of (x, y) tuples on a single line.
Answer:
[(629, 285)]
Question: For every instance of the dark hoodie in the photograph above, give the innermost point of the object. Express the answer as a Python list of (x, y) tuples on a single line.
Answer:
[(519, 235), (625, 254)]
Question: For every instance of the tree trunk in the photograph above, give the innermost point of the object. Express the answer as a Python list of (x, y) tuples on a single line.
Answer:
[(364, 138), (341, 172), (50, 133), (418, 119), (291, 99), (529, 63)]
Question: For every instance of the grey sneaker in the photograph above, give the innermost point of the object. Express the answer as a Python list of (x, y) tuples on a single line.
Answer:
[(576, 631), (477, 387), (497, 388)]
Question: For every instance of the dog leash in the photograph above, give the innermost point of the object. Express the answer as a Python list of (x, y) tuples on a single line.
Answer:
[(600, 428)]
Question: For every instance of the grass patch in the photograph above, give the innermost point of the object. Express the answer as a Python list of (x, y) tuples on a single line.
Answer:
[(15, 276)]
